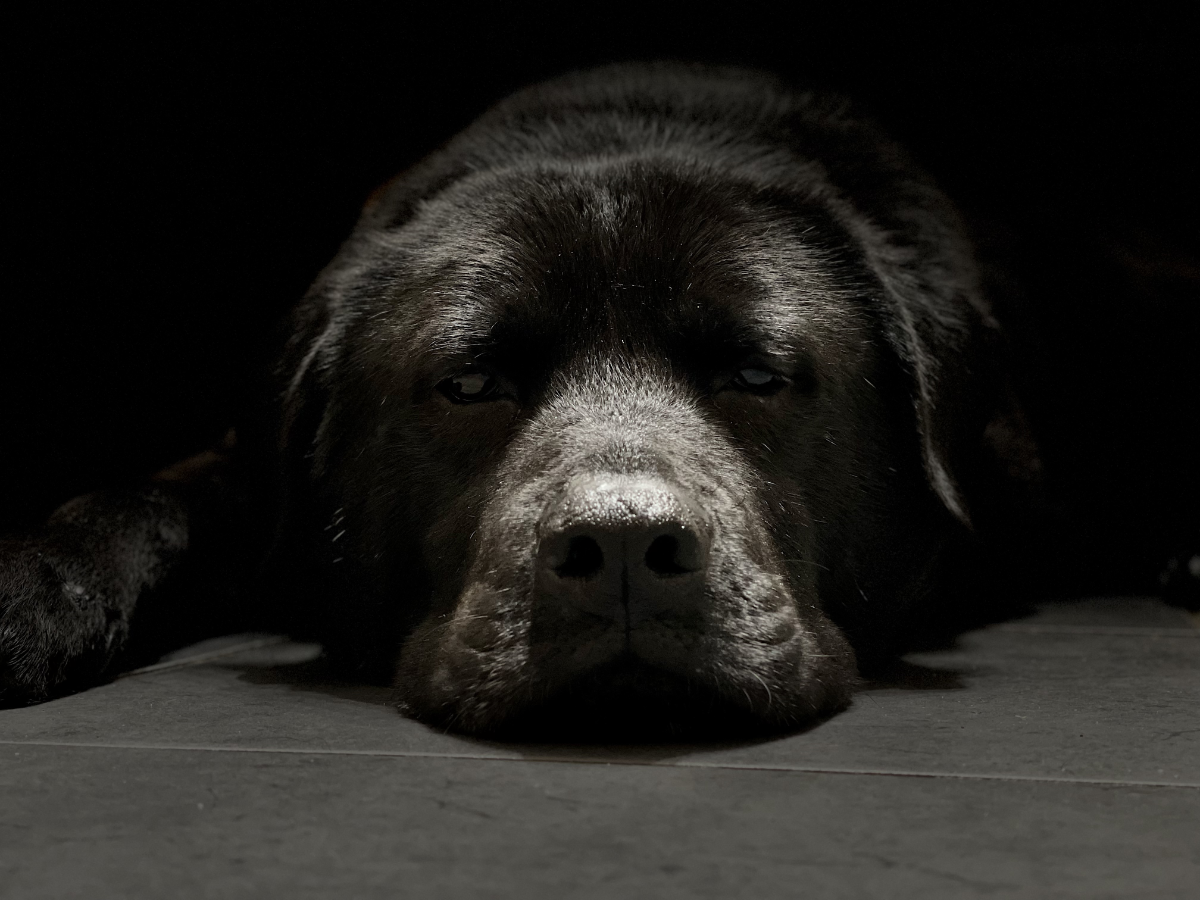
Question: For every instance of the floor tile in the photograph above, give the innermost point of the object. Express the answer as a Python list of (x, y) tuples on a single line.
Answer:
[(1101, 690), (87, 822)]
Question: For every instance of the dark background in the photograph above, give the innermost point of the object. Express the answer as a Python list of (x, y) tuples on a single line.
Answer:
[(172, 182)]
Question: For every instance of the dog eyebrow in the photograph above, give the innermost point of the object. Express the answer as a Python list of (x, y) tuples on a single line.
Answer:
[(780, 323), (780, 329), (462, 327), (775, 296), (805, 289)]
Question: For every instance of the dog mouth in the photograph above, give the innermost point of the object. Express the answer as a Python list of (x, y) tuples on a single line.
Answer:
[(629, 700), (513, 668), (605, 688)]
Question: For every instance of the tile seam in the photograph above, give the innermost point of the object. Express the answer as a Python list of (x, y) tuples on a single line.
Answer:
[(738, 767)]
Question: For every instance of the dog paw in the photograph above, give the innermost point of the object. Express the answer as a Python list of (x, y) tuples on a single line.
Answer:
[(56, 630)]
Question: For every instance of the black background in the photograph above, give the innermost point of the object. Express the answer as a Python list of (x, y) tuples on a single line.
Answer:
[(174, 180)]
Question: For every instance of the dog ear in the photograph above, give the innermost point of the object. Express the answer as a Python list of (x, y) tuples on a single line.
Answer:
[(313, 333), (976, 443), (937, 321)]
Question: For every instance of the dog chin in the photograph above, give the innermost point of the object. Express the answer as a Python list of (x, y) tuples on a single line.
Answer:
[(629, 700), (482, 674)]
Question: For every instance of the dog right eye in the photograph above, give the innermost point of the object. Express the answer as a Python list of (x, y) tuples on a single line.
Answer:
[(757, 381), (469, 387)]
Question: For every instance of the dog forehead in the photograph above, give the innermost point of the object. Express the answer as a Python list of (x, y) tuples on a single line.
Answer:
[(565, 253)]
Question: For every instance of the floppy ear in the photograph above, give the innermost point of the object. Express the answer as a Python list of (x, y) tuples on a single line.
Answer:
[(313, 333), (976, 442), (974, 437)]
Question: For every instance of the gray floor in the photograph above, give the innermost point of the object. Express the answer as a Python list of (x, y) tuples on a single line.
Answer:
[(1057, 756)]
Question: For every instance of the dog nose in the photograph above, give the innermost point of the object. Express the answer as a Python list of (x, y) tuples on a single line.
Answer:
[(623, 546)]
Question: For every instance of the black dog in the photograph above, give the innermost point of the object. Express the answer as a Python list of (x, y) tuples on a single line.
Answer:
[(657, 392)]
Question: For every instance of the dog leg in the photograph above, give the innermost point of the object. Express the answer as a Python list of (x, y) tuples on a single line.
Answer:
[(119, 576)]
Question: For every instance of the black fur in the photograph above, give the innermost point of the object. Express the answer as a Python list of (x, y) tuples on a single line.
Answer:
[(609, 254)]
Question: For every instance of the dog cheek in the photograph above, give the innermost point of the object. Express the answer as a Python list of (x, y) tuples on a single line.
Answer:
[(769, 647), (465, 669), (466, 663)]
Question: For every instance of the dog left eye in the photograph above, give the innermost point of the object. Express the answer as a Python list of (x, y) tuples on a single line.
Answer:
[(469, 387), (757, 381)]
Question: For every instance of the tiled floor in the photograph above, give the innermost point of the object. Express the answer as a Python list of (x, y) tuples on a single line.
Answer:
[(1057, 756)]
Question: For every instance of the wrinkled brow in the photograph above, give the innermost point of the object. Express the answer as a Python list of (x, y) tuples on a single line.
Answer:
[(772, 291), (460, 325), (781, 324)]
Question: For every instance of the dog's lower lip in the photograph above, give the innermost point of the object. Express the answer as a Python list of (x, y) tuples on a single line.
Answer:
[(632, 700)]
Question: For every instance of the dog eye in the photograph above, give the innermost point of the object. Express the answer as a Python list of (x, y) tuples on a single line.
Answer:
[(469, 387), (757, 381)]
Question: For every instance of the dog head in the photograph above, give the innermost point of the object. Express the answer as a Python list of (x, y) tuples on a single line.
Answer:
[(633, 403)]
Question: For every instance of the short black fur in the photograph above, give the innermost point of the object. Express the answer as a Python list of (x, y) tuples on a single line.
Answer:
[(721, 335)]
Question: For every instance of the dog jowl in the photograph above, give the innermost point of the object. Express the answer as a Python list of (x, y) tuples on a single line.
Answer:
[(650, 398)]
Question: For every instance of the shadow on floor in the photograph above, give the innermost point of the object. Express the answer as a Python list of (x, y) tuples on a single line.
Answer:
[(616, 733), (315, 675), (910, 676)]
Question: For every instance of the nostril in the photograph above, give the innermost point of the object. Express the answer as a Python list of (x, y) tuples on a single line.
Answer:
[(662, 556), (584, 558)]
